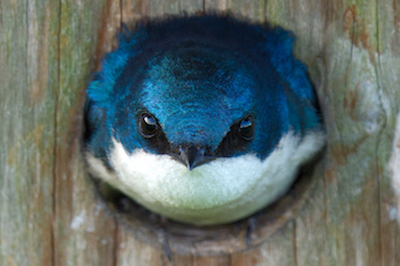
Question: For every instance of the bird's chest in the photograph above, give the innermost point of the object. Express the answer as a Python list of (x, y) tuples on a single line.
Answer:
[(223, 190)]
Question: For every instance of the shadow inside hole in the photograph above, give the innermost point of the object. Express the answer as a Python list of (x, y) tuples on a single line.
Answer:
[(218, 239)]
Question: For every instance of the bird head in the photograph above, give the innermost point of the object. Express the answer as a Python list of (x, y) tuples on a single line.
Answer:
[(195, 117)]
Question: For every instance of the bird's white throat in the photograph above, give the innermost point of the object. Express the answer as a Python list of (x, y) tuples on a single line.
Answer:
[(221, 191)]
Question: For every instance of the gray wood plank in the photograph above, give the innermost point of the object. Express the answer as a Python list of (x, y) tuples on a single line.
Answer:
[(28, 74)]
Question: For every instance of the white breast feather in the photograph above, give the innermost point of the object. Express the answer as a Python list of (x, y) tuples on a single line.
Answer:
[(220, 191)]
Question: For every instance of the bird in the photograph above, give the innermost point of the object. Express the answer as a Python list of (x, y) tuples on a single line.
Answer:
[(203, 119)]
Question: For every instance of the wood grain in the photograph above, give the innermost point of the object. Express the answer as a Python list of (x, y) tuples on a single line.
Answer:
[(50, 213), (28, 89), (84, 233)]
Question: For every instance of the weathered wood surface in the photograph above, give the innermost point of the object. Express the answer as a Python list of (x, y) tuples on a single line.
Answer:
[(49, 213)]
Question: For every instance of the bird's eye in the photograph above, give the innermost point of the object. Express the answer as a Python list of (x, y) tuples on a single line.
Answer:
[(148, 126), (246, 128)]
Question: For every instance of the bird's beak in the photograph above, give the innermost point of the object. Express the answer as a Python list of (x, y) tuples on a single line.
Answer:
[(191, 156)]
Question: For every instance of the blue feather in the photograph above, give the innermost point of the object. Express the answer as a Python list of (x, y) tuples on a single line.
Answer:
[(198, 76)]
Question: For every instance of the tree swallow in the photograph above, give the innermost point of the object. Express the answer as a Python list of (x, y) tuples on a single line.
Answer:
[(202, 119)]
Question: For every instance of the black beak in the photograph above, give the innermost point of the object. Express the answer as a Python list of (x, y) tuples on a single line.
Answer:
[(192, 156)]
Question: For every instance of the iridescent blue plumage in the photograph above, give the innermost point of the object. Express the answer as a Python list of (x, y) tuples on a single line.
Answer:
[(251, 65), (200, 82)]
